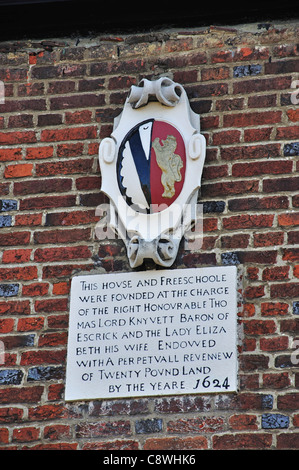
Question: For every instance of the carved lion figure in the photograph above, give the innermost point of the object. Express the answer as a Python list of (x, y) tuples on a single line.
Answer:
[(169, 162)]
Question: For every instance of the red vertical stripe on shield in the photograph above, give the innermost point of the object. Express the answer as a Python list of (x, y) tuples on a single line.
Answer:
[(168, 165)]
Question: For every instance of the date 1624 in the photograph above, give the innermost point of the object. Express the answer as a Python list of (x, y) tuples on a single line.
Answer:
[(207, 382)]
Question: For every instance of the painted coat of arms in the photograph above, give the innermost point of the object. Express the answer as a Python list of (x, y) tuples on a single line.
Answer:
[(151, 170)]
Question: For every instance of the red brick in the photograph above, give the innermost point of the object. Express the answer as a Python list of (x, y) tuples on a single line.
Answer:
[(47, 202), (260, 101), (15, 138), (251, 119), (27, 434), (57, 431), (246, 152), (71, 218), (35, 289), (123, 444), (288, 219), (70, 150), (55, 392), (211, 172), (274, 309), (61, 288), (62, 236), (45, 120), (64, 167), (51, 305), (196, 425), (242, 441), (253, 274), (268, 239), (283, 66), (20, 120), (254, 203), (209, 122), (243, 422), (59, 254), (61, 271), (30, 324), (58, 321), (49, 185), (73, 133), (235, 187), (28, 219), (21, 395), (10, 415), (249, 382), (290, 254), (176, 443), (259, 327), (251, 53), (274, 344), (101, 429), (26, 273), (19, 307), (4, 436), (289, 326), (261, 84), (219, 73), (53, 339), (31, 89), (277, 273), (10, 154), (88, 182), (285, 50), (77, 101), (262, 168), (293, 115), (254, 292), (18, 171), (260, 257), (247, 221), (255, 135), (289, 401), (59, 446), (280, 184), (231, 104), (210, 89), (42, 357), (248, 310), (296, 200), (33, 153), (6, 325), (293, 238), (285, 290), (288, 441), (226, 137), (276, 381), (235, 241), (16, 256), (222, 56), (46, 412), (14, 238), (65, 86)]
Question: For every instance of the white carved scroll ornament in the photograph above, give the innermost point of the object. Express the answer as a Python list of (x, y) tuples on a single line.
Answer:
[(154, 235)]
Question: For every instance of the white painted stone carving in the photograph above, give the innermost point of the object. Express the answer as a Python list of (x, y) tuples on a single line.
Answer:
[(151, 170)]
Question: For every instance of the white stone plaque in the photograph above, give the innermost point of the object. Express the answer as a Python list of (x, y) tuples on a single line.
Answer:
[(152, 333)]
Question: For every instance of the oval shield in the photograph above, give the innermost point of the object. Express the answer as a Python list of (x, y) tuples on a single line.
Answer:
[(151, 166)]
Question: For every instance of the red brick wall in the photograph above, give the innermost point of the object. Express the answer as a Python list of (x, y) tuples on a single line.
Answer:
[(60, 99)]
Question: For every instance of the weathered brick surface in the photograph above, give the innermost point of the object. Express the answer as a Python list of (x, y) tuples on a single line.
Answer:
[(60, 100)]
